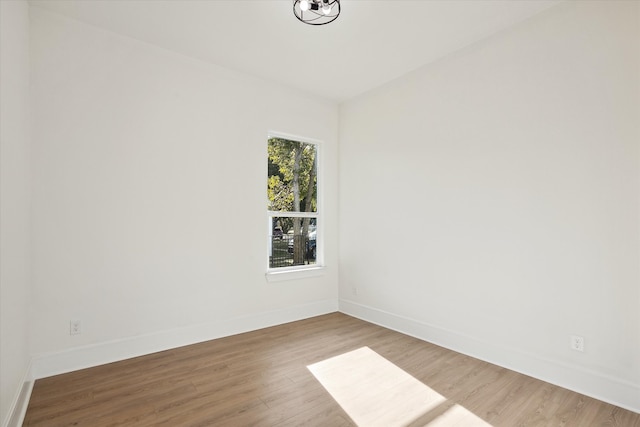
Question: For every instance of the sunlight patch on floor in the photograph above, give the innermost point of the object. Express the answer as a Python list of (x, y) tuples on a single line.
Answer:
[(459, 417), (375, 392)]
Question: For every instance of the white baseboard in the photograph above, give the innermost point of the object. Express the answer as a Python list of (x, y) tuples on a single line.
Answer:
[(18, 408), (50, 364), (602, 387)]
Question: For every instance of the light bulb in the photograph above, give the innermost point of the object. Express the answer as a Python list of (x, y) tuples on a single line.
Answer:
[(304, 5), (326, 9)]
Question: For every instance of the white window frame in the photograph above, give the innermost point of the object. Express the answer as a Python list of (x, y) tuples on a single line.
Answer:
[(300, 271)]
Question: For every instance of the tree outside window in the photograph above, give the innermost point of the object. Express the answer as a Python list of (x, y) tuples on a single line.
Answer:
[(292, 193)]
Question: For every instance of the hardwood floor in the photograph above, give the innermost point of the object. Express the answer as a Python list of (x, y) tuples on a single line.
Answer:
[(262, 378)]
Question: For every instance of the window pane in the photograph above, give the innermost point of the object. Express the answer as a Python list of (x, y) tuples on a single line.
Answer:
[(293, 242), (292, 176)]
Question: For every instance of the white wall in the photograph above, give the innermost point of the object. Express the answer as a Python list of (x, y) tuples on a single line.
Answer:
[(495, 204), (15, 282), (150, 197)]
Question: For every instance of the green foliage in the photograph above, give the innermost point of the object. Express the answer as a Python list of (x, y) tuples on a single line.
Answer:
[(283, 174), (280, 195)]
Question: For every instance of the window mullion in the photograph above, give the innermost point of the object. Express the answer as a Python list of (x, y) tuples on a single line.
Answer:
[(293, 214)]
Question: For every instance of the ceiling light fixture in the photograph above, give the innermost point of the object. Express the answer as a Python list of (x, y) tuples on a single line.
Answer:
[(316, 12)]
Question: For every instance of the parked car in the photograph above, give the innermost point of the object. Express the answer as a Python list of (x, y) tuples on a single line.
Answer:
[(277, 232), (310, 245)]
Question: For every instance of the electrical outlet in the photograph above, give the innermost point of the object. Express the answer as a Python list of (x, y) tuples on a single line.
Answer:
[(354, 290), (75, 327), (577, 343)]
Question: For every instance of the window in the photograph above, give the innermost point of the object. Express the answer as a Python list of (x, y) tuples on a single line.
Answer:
[(292, 194)]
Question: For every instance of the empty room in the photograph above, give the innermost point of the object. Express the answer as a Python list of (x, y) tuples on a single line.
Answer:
[(320, 212)]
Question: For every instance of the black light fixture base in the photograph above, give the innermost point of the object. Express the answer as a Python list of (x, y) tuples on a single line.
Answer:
[(316, 12)]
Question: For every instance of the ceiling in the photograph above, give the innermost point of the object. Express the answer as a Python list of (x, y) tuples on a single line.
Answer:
[(371, 42)]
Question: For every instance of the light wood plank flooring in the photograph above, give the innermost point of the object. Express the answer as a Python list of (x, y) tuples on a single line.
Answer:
[(261, 378)]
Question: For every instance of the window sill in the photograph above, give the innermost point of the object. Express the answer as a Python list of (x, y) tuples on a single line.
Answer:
[(301, 273)]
